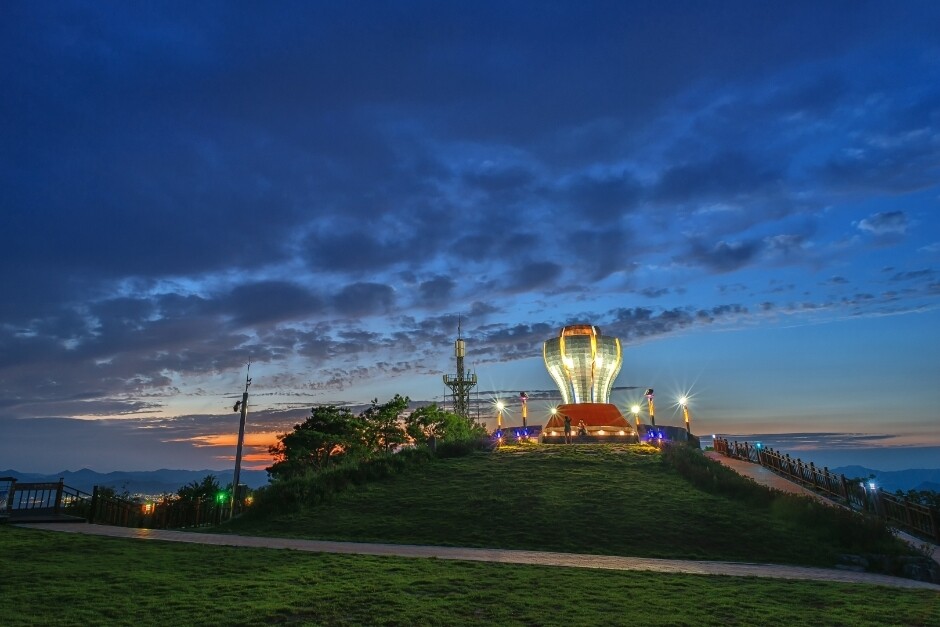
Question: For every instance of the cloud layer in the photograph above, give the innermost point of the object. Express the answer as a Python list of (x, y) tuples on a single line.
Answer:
[(322, 189)]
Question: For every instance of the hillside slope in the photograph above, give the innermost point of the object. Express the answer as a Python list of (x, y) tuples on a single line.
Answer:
[(618, 500)]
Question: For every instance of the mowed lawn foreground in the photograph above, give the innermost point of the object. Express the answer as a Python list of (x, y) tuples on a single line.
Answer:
[(615, 500), (68, 579)]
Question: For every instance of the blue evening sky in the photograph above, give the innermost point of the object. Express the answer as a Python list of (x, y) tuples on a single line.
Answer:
[(746, 193)]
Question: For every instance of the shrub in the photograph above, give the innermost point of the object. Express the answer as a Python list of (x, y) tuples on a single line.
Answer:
[(461, 448), (289, 494)]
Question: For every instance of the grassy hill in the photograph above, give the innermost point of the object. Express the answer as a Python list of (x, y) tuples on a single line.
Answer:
[(615, 500), (618, 500)]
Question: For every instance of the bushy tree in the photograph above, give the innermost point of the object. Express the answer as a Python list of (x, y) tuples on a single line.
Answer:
[(432, 421), (208, 488), (327, 436), (928, 498), (381, 425)]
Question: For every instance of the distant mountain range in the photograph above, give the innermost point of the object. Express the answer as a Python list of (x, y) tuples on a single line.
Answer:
[(893, 480), (162, 481)]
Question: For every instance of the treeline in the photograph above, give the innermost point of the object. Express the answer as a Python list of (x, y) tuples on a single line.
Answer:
[(929, 498), (335, 448)]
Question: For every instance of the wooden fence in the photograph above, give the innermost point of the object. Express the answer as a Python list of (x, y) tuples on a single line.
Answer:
[(162, 514), (897, 511), (56, 501), (34, 500)]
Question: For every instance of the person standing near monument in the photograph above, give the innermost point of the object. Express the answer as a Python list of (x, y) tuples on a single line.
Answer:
[(567, 430)]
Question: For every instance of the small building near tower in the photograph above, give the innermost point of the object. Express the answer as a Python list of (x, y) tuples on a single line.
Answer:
[(584, 363)]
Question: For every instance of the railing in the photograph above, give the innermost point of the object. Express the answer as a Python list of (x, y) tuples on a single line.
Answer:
[(163, 514), (57, 501), (895, 510), (25, 499)]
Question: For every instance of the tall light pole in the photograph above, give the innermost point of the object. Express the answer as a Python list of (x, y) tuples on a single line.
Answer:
[(684, 401), (499, 415), (649, 398), (241, 438), (523, 397), (636, 414)]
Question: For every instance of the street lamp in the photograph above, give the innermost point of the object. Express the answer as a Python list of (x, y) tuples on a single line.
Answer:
[(649, 398), (684, 401), (499, 415), (636, 414), (523, 397)]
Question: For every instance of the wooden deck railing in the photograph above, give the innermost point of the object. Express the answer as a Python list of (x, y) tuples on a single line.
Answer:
[(162, 514), (57, 501), (897, 511)]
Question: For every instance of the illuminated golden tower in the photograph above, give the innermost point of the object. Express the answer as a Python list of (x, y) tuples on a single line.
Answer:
[(583, 363)]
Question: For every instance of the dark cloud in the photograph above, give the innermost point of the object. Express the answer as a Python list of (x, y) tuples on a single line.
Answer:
[(538, 274), (436, 291), (654, 292), (723, 256), (885, 223), (912, 274), (269, 301), (641, 322), (727, 175), (900, 163), (598, 253), (364, 299), (602, 199)]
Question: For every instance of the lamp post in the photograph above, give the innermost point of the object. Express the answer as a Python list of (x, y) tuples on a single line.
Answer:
[(649, 398), (684, 401), (523, 397), (636, 414), (499, 415)]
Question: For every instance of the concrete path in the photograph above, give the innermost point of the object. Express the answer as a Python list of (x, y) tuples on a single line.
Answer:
[(765, 477), (576, 560)]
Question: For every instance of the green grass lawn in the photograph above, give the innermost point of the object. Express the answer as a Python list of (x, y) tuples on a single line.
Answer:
[(617, 500), (53, 578)]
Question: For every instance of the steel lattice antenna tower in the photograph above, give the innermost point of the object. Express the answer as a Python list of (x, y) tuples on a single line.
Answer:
[(461, 384)]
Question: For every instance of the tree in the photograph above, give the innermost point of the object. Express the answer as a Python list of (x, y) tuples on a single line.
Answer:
[(328, 435), (208, 488), (431, 420), (381, 425)]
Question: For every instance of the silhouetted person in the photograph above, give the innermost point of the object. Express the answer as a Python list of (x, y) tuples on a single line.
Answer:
[(567, 430), (582, 430)]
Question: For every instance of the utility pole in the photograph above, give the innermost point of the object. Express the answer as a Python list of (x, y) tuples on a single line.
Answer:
[(241, 439)]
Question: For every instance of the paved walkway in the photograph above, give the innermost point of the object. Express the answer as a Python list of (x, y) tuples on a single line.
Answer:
[(770, 479), (576, 560), (764, 476)]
